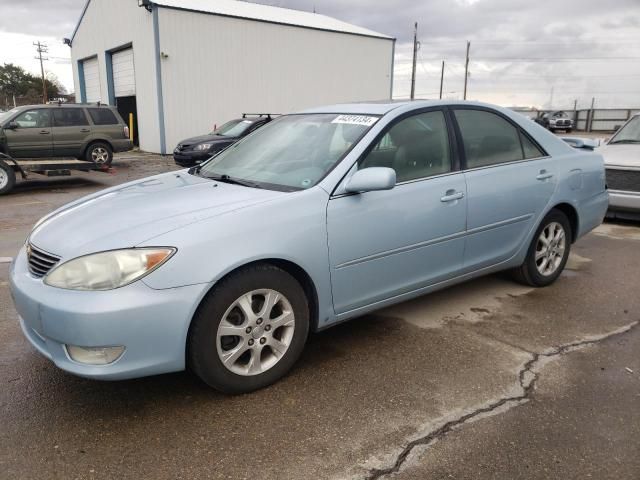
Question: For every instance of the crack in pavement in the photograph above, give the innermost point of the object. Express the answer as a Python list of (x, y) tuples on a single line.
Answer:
[(527, 377)]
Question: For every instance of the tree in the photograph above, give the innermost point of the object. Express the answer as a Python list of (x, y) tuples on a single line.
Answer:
[(25, 86)]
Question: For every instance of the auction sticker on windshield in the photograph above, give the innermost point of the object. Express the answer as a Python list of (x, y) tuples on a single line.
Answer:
[(365, 120)]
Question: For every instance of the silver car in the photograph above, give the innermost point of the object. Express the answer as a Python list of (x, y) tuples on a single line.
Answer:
[(622, 161)]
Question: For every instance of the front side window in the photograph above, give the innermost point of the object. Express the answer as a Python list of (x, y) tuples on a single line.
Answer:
[(488, 139), (102, 116), (69, 117), (292, 152), (415, 147), (630, 133), (37, 118)]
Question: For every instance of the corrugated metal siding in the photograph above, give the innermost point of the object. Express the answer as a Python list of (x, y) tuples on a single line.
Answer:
[(219, 67), (108, 25), (91, 70), (124, 78)]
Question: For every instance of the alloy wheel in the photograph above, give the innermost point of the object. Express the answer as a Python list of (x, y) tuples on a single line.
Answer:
[(99, 155), (550, 249), (4, 179), (255, 332)]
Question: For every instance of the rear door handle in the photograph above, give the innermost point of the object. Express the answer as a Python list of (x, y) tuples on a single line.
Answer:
[(44, 132), (452, 195), (544, 175)]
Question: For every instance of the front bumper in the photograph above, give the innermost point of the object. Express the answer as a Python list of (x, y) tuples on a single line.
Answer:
[(191, 158), (151, 324), (622, 200)]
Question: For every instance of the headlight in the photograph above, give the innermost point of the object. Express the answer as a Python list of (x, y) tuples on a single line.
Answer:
[(108, 270), (204, 146)]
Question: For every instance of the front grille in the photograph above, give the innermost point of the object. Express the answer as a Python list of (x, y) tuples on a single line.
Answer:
[(40, 262), (627, 180), (562, 122)]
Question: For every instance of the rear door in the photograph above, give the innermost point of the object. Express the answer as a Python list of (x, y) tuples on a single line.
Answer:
[(387, 243), (70, 128), (510, 181), (33, 136)]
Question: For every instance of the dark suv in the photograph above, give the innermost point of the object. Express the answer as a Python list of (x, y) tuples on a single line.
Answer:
[(196, 150), (90, 132)]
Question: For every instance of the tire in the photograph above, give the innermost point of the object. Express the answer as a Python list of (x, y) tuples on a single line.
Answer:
[(535, 272), (7, 178), (100, 153), (569, 130), (250, 364)]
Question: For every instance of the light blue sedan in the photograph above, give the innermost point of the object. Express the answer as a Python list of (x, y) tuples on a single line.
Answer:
[(313, 219)]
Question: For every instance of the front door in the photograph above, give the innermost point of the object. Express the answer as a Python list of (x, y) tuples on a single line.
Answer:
[(386, 243), (32, 137), (510, 181)]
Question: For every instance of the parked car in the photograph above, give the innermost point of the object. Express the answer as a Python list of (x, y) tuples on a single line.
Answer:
[(314, 219), (555, 121), (196, 150), (622, 161), (92, 132)]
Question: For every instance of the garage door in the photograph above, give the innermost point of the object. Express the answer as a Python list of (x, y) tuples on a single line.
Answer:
[(91, 80), (124, 79)]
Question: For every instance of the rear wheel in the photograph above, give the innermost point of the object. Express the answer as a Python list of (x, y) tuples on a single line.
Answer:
[(7, 178), (250, 330), (99, 153), (548, 252)]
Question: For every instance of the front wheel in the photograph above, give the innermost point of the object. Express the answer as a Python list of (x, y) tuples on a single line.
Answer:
[(548, 252), (250, 330)]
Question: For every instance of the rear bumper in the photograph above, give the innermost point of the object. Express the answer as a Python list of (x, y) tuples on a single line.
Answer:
[(121, 145), (151, 324), (591, 213)]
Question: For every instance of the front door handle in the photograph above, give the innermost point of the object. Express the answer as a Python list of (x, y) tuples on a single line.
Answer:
[(85, 130), (44, 132), (544, 175), (451, 196)]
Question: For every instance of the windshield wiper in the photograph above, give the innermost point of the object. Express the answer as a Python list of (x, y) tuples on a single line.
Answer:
[(624, 141), (234, 181)]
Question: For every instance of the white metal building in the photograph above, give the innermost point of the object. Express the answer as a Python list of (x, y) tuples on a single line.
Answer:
[(183, 66)]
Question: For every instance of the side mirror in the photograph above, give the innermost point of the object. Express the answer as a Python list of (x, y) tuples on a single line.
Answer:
[(371, 179), (12, 125)]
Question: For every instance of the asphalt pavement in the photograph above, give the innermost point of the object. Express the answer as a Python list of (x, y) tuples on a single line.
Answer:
[(483, 380)]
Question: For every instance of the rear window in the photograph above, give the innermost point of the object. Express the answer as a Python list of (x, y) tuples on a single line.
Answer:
[(102, 116)]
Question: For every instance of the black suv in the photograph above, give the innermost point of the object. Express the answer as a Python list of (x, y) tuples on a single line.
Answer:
[(196, 150)]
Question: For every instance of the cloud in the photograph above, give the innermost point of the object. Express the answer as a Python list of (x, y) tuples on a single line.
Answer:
[(520, 49)]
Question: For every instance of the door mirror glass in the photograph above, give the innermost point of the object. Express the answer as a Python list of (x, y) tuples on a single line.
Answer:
[(371, 179)]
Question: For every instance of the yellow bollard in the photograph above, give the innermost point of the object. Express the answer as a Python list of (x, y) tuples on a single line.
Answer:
[(131, 127)]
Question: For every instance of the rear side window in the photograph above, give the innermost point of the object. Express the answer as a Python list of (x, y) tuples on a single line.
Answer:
[(488, 139), (102, 116), (529, 148), (69, 117)]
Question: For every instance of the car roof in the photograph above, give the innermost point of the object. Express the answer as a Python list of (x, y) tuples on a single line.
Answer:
[(65, 105), (386, 106)]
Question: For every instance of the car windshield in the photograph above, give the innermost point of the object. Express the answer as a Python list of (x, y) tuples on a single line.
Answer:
[(630, 133), (234, 128), (293, 152), (6, 115)]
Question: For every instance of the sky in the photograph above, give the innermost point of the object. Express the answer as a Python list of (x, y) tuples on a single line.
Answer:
[(542, 53)]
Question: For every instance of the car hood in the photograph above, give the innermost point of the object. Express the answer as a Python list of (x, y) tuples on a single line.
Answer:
[(206, 138), (622, 155), (125, 216)]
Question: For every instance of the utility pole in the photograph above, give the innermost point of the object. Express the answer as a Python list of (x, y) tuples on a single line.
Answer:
[(416, 46), (441, 79), (466, 71), (40, 49)]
